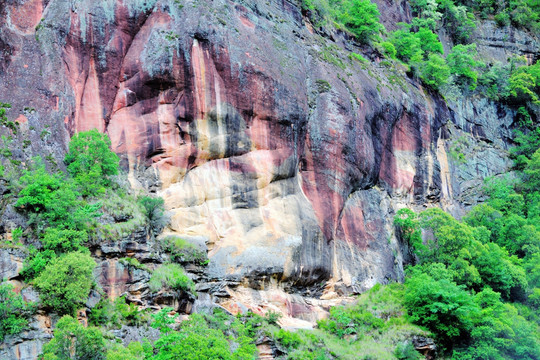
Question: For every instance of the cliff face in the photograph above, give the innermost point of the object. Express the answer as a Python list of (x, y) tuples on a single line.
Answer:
[(268, 142)]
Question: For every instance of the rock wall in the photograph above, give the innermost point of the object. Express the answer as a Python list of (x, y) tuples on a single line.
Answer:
[(268, 142)]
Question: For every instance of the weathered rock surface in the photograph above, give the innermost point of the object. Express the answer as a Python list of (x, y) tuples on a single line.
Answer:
[(283, 177), (267, 142)]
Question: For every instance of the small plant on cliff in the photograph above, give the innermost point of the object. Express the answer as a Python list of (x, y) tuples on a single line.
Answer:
[(153, 209), (65, 283), (14, 311), (12, 125), (171, 277), (183, 251), (91, 162)]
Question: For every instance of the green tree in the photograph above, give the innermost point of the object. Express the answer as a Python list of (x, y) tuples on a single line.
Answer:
[(407, 222), (524, 84), (429, 42), (134, 351), (448, 236), (153, 208), (407, 45), (457, 20), (65, 283), (91, 162), (440, 305), (499, 271), (73, 341), (14, 311), (361, 17), (435, 72), (463, 64), (63, 240)]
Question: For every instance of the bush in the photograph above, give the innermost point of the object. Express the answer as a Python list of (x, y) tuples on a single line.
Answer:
[(388, 49), (65, 283), (14, 311), (524, 84), (63, 240), (134, 351), (197, 340), (116, 313), (183, 251), (73, 341), (172, 277), (459, 22), (153, 208), (91, 162), (52, 200)]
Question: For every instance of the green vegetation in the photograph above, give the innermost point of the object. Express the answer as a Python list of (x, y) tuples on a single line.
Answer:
[(91, 162), (475, 284), (65, 282), (12, 125), (14, 311), (171, 277), (153, 209), (114, 314), (464, 66), (73, 341), (183, 251), (375, 327)]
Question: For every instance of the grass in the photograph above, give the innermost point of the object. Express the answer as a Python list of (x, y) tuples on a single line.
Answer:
[(182, 251), (171, 277)]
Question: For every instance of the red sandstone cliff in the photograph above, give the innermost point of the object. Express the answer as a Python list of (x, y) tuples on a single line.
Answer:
[(266, 140)]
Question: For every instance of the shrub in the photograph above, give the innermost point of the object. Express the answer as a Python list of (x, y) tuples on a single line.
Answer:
[(51, 199), (134, 351), (197, 340), (170, 276), (116, 313), (36, 262), (129, 261), (388, 49), (14, 311), (91, 162), (73, 341), (183, 251), (65, 283), (407, 45), (272, 317), (458, 20), (63, 240), (532, 173), (153, 208)]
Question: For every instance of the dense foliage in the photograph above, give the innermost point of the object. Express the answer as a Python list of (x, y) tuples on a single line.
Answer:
[(65, 282), (476, 282), (74, 341), (91, 162), (14, 311)]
